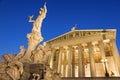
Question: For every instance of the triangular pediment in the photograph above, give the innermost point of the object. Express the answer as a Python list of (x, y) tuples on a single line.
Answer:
[(109, 33)]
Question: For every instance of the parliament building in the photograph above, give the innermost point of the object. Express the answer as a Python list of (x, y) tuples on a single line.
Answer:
[(85, 53), (75, 55)]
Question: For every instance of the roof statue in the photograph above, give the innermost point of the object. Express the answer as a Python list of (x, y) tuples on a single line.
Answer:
[(74, 27)]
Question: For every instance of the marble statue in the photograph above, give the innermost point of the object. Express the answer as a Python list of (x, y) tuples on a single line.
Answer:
[(36, 31), (41, 54), (51, 74), (12, 67), (14, 70), (74, 27), (21, 54), (37, 55), (35, 37), (6, 58)]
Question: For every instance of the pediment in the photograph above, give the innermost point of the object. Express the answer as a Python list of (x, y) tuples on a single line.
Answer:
[(85, 34)]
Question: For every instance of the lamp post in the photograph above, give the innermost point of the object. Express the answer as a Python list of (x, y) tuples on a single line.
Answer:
[(104, 60), (106, 72)]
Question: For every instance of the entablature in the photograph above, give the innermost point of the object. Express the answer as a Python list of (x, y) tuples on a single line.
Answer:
[(82, 36)]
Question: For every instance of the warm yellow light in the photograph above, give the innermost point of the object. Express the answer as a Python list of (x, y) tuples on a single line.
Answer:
[(103, 60), (106, 41), (86, 50)]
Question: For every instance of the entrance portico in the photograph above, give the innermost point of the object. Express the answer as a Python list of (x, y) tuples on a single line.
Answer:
[(78, 53)]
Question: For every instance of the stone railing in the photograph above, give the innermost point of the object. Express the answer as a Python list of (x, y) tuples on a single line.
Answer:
[(92, 78)]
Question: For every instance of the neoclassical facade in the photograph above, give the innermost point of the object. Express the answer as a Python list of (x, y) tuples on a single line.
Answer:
[(85, 53)]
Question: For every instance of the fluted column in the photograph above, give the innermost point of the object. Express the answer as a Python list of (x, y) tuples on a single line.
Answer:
[(52, 58), (101, 46), (64, 62), (60, 60), (81, 70), (92, 62), (69, 62), (116, 55)]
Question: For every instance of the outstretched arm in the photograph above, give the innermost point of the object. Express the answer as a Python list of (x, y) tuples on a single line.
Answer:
[(45, 8)]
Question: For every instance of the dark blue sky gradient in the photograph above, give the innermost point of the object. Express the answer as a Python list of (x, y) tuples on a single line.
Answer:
[(61, 17)]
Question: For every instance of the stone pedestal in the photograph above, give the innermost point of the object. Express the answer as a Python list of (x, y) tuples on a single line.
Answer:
[(30, 69)]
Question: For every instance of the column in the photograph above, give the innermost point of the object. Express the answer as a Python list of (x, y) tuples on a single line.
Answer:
[(92, 62), (73, 62), (81, 69), (69, 62), (116, 55), (64, 63), (56, 58), (101, 46), (52, 58), (60, 60)]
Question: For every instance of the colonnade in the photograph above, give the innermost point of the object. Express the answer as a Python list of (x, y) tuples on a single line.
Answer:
[(67, 59)]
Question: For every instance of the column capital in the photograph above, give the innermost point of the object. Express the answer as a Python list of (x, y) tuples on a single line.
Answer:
[(53, 49), (89, 43), (113, 40), (61, 48), (79, 46), (69, 48)]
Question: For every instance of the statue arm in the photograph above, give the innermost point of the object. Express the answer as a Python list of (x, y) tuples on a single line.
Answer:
[(30, 18), (45, 8)]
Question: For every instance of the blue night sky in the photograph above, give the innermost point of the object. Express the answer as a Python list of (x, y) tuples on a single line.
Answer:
[(61, 17)]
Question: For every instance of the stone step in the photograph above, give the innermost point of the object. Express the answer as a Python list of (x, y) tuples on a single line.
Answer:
[(92, 78)]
